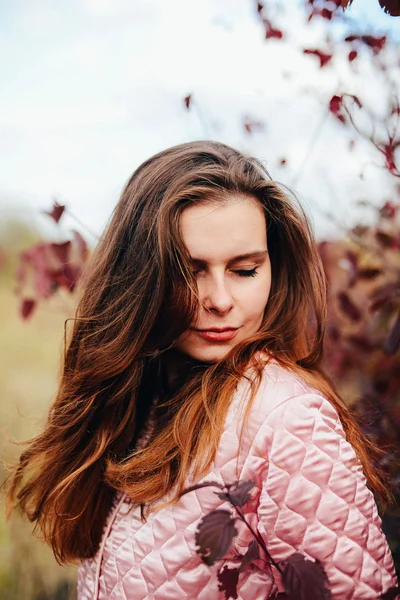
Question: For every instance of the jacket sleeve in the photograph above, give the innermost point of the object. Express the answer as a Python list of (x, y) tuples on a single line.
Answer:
[(314, 500)]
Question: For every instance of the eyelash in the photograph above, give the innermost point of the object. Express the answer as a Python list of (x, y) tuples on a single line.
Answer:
[(240, 272), (246, 272)]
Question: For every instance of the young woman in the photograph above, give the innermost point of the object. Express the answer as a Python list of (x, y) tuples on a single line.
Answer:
[(195, 356)]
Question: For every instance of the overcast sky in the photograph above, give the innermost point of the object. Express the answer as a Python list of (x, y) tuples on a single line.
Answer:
[(91, 88)]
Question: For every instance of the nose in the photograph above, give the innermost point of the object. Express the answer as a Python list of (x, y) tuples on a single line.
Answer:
[(216, 295)]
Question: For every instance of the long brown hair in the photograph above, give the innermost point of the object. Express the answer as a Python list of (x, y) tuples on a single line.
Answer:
[(138, 296)]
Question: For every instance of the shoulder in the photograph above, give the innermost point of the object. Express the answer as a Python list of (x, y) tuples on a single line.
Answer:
[(282, 391), (286, 411)]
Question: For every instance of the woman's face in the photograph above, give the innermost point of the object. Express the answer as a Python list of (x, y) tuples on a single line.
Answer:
[(227, 243)]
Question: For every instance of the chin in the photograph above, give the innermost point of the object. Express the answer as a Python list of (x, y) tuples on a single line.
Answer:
[(207, 355)]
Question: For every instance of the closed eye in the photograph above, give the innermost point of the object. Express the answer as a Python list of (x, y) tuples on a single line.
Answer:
[(240, 272), (246, 272)]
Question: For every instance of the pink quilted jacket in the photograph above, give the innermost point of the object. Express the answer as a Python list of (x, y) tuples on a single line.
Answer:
[(310, 496)]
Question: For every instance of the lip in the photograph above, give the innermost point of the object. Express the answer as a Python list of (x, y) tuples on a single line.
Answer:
[(218, 335)]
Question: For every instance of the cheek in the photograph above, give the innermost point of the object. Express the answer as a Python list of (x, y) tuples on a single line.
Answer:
[(257, 302), (257, 298)]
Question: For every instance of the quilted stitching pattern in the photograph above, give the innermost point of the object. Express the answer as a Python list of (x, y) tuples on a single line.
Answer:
[(310, 496)]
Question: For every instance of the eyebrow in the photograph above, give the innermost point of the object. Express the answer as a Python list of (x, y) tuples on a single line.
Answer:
[(239, 257)]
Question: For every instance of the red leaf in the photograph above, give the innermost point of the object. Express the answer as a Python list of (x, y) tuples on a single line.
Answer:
[(61, 251), (361, 342), (333, 333), (81, 245), (383, 295), (389, 153), (251, 126), (385, 239), (348, 307), (392, 341), (271, 32), (388, 210), (66, 277), (252, 552), (376, 43), (56, 212), (227, 582), (27, 306), (369, 273), (283, 162), (304, 579), (345, 3), (214, 535), (326, 14), (324, 58), (259, 7), (336, 106), (188, 100), (238, 493), (44, 282), (352, 55), (391, 7)]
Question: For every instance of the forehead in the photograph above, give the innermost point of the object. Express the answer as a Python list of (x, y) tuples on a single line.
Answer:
[(218, 231)]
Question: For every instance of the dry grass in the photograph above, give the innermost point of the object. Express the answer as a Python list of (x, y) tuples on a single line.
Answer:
[(30, 361)]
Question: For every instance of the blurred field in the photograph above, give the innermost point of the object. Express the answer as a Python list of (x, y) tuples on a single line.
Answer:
[(30, 360)]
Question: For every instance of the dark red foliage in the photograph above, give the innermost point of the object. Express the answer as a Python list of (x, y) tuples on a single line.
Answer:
[(227, 581), (392, 341), (388, 151), (81, 245), (271, 31), (362, 350), (326, 14), (336, 108), (214, 535), (251, 126), (188, 100), (56, 212), (384, 295), (348, 307), (361, 342), (352, 55), (27, 307), (391, 7), (386, 240), (46, 267), (388, 210), (324, 58), (238, 493), (304, 579), (375, 43), (369, 273), (252, 552), (62, 251)]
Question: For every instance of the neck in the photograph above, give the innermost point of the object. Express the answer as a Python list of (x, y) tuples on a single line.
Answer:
[(178, 368)]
